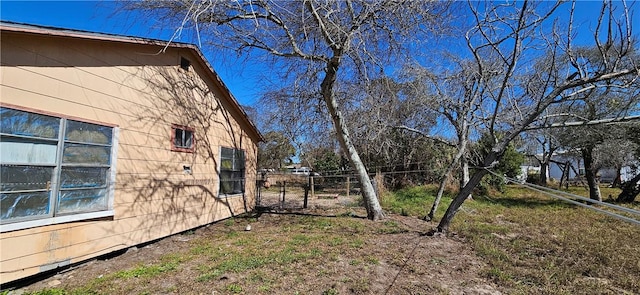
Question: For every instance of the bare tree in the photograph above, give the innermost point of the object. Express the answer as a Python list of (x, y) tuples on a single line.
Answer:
[(275, 150), (509, 36), (296, 113), (385, 104), (454, 95), (324, 41)]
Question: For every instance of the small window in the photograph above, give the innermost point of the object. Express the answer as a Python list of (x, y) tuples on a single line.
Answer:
[(182, 139)]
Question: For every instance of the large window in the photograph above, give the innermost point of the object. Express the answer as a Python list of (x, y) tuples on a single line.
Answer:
[(52, 167), (232, 164)]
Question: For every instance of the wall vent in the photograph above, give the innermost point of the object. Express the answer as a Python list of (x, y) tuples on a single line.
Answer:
[(184, 63)]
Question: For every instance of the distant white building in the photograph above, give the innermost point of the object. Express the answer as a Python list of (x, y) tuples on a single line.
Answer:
[(576, 169)]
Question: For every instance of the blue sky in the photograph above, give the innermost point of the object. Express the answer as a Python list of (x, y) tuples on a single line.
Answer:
[(104, 17)]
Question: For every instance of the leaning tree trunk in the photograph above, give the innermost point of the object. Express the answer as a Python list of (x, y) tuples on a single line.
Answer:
[(459, 157), (371, 203), (443, 183), (590, 173), (443, 226), (630, 190), (465, 192)]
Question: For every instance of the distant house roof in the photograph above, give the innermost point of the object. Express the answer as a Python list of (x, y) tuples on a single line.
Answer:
[(61, 32)]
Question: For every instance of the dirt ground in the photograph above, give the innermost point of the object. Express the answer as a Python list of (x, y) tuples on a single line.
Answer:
[(409, 262)]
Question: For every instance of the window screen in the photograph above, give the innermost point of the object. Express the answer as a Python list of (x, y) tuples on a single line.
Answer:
[(232, 169)]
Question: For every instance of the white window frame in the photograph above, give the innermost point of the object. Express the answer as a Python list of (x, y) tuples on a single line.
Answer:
[(51, 218)]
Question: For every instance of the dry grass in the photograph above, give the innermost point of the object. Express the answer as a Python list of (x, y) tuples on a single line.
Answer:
[(517, 242), (286, 254), (537, 245)]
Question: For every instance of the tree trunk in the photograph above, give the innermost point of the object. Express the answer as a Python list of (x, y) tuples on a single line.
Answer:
[(617, 181), (544, 167), (443, 182), (459, 199), (465, 191), (459, 155), (371, 203), (590, 173), (630, 190), (464, 178)]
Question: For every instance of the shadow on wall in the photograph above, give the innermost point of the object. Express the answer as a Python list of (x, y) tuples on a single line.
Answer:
[(178, 188), (159, 190)]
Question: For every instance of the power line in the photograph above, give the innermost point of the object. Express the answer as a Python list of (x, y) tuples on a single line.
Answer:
[(557, 194)]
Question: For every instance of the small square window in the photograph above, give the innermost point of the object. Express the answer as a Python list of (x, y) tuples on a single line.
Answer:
[(182, 139)]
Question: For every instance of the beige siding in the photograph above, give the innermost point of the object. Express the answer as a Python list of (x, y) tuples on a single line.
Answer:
[(142, 93)]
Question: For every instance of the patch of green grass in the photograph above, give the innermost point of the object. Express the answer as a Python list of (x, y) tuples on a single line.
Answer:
[(391, 227), (229, 222), (299, 240), (356, 243), (498, 275), (168, 263), (348, 224), (54, 291), (314, 222), (360, 286), (335, 241), (372, 260), (234, 288), (240, 263), (209, 275), (201, 247), (58, 291), (241, 242), (264, 288), (144, 271), (262, 277), (414, 201), (488, 251)]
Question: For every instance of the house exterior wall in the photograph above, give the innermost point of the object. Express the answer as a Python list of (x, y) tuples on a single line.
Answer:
[(142, 93)]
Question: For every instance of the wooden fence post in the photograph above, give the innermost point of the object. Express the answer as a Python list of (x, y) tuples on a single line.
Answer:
[(306, 192), (311, 186), (348, 186), (284, 190), (379, 184)]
